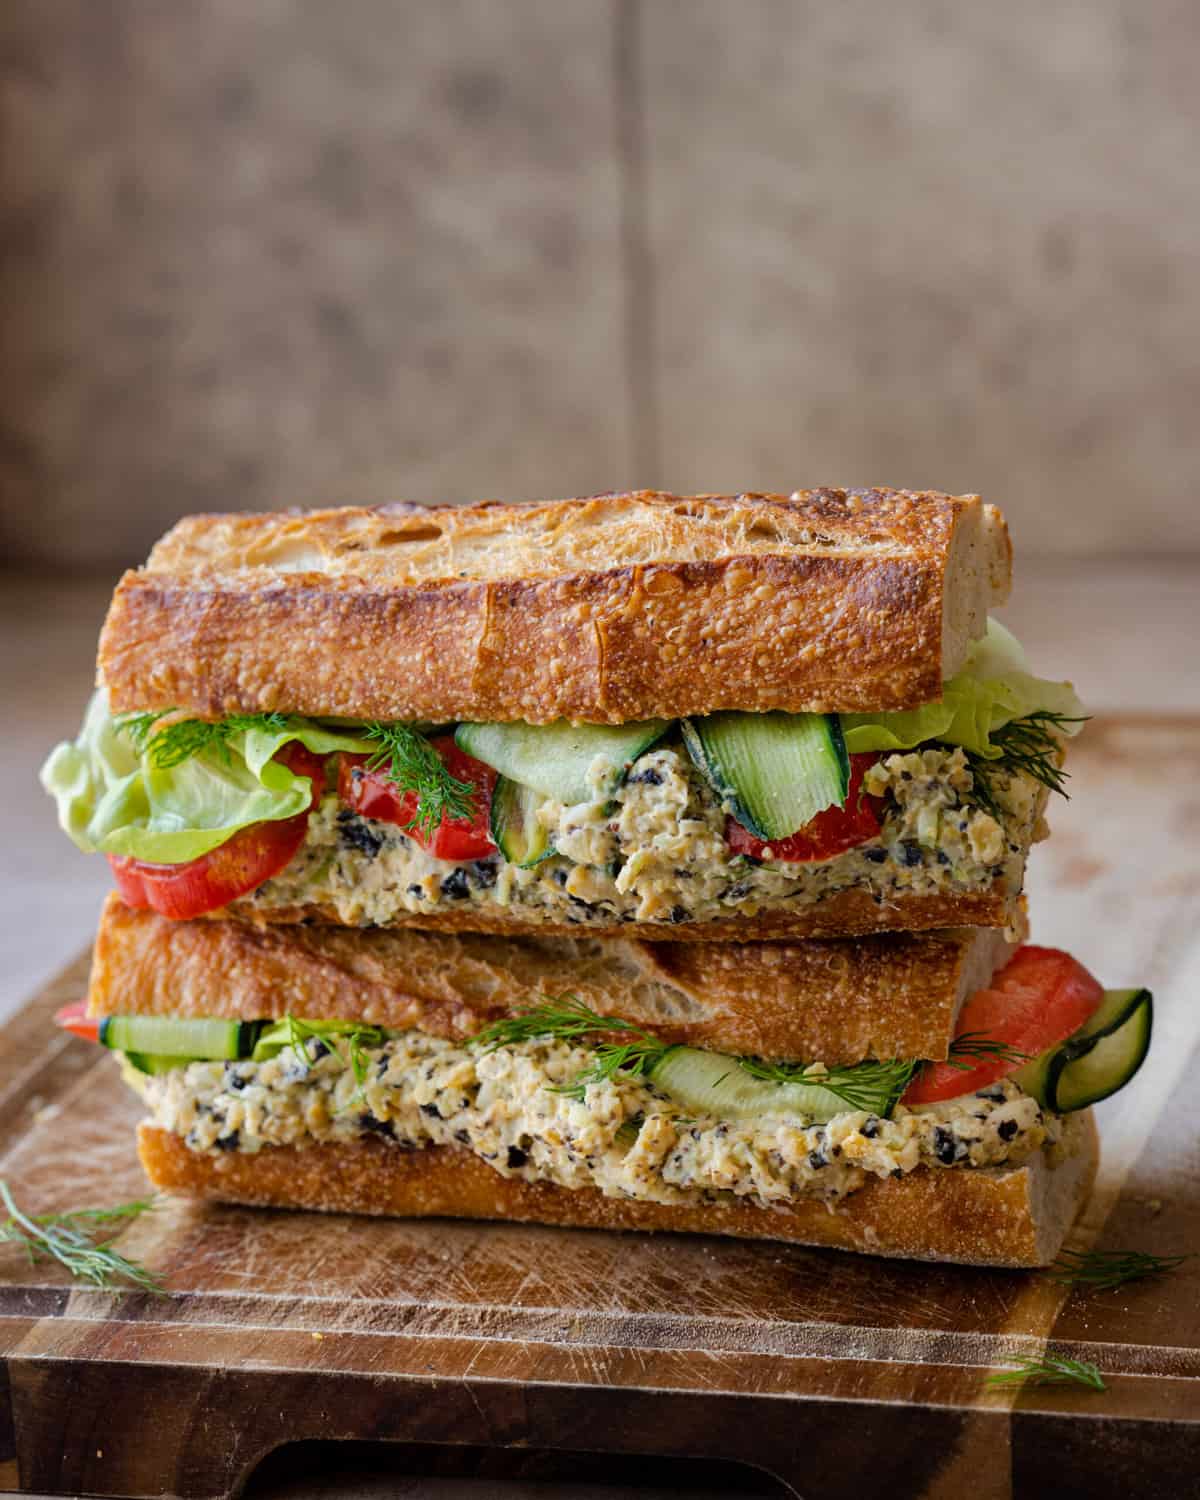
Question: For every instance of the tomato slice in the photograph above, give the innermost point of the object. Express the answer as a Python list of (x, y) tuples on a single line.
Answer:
[(232, 869), (831, 832), (75, 1018), (372, 794), (1040, 997)]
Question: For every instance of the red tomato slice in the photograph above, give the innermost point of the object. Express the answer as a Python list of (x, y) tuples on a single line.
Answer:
[(830, 832), (75, 1018), (1040, 997), (372, 794), (232, 869)]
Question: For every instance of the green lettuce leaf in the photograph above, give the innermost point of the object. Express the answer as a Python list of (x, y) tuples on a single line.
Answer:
[(993, 688), (114, 800)]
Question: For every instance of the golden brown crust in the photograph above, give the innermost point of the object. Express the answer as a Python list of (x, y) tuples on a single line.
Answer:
[(887, 996), (986, 1216), (609, 609), (850, 913)]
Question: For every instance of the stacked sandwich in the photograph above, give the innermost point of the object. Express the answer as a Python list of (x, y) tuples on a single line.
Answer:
[(644, 861)]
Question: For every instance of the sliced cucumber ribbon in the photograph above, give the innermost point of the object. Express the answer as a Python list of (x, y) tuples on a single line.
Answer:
[(775, 772), (1100, 1058)]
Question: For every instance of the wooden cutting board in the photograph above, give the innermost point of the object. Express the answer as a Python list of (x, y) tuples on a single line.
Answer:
[(842, 1376)]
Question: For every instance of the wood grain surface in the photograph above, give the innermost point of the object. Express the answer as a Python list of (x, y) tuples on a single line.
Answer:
[(840, 1375)]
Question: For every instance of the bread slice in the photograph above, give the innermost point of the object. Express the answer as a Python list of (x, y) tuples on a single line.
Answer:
[(849, 913), (604, 610), (887, 996), (994, 1216)]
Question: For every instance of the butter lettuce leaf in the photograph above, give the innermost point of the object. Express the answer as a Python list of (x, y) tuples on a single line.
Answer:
[(113, 799), (994, 688)]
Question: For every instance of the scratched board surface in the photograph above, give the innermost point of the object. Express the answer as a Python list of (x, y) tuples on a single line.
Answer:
[(838, 1374)]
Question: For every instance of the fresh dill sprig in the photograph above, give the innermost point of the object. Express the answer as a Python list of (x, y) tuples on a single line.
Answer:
[(1102, 1270), (1049, 1369), (636, 1059), (569, 1019), (181, 739), (873, 1086), (82, 1242), (973, 1047), (350, 1042), (1032, 746), (415, 766)]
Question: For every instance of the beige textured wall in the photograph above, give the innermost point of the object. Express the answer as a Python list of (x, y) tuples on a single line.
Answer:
[(271, 252)]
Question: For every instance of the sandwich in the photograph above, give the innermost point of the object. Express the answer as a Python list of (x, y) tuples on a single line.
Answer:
[(717, 718), (643, 862), (922, 1095)]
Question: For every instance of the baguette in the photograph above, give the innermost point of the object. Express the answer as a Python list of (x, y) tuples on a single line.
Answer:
[(995, 1216), (889, 996), (849, 913), (610, 609)]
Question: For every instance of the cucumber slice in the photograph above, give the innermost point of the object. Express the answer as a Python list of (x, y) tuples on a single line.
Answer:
[(519, 836), (1097, 1060), (774, 771), (555, 759), (712, 1084), (148, 1062), (177, 1037)]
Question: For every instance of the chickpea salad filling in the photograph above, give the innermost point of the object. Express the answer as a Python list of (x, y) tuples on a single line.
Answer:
[(656, 849), (521, 1108), (660, 821)]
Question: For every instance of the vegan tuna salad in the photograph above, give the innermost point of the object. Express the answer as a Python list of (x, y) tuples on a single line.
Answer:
[(661, 823), (514, 1108), (660, 848)]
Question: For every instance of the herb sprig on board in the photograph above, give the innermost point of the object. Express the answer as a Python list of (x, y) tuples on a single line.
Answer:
[(1032, 746), (1048, 1369), (1102, 1270), (82, 1242)]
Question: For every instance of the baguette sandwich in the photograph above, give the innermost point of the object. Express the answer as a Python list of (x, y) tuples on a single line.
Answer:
[(726, 718), (620, 1084)]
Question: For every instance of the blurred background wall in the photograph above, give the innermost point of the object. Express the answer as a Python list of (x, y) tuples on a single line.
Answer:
[(259, 253)]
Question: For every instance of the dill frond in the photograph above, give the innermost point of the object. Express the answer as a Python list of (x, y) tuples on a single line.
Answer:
[(82, 1242), (349, 1041), (1030, 746), (568, 1019), (973, 1047), (873, 1086), (415, 766), (1049, 1369), (181, 739), (1102, 1270)]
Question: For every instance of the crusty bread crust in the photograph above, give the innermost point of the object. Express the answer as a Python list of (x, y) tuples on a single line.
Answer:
[(887, 996), (604, 610), (850, 913), (988, 1217)]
